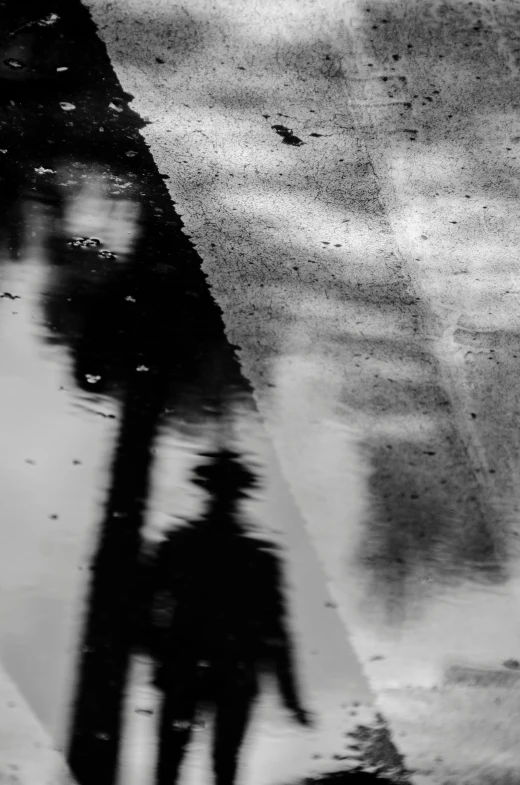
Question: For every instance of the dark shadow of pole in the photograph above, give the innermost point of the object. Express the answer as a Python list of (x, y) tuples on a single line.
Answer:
[(107, 637)]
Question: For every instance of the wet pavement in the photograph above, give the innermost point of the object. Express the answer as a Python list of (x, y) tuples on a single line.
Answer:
[(259, 465), (159, 591)]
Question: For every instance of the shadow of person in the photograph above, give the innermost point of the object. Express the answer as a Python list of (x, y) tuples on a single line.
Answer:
[(218, 622)]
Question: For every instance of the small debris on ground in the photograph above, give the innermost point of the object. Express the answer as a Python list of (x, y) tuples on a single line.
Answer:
[(84, 242), (287, 135), (14, 64)]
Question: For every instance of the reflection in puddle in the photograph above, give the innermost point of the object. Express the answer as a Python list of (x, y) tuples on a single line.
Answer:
[(120, 386), (204, 611), (94, 219), (218, 623), (236, 580)]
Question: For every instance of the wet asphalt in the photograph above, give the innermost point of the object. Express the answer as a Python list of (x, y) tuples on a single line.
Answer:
[(157, 579)]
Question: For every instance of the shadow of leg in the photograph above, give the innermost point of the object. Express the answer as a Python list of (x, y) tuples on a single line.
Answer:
[(177, 715), (233, 712)]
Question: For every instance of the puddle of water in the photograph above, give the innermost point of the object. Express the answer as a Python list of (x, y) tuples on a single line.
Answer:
[(64, 418), (118, 388)]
